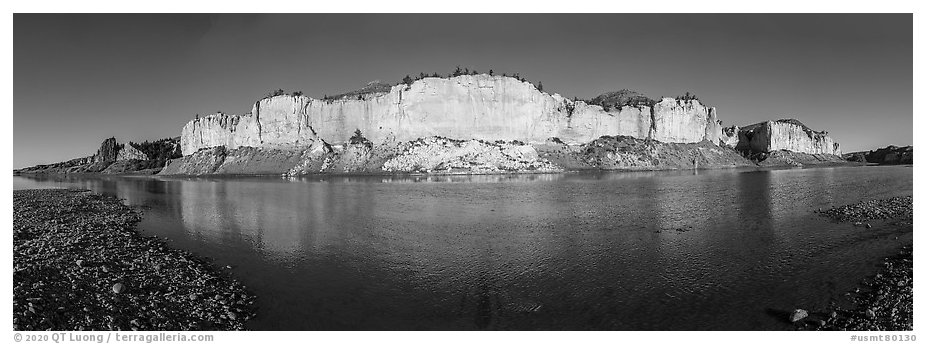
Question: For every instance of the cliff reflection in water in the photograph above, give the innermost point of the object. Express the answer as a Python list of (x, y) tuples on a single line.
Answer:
[(639, 251)]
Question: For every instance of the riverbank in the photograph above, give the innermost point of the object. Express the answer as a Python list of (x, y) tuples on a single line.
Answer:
[(79, 264), (883, 302)]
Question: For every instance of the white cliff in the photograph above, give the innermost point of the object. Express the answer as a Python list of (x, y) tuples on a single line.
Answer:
[(790, 135), (467, 107)]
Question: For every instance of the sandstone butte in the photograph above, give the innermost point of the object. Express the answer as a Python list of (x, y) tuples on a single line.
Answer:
[(483, 107), (463, 124)]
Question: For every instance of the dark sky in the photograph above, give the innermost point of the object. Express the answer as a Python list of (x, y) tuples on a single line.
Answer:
[(79, 78)]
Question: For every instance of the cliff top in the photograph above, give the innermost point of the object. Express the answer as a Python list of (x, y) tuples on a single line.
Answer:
[(372, 87), (792, 121), (799, 124), (621, 98)]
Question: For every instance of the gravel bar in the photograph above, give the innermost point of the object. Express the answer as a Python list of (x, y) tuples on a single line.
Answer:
[(884, 302), (79, 264)]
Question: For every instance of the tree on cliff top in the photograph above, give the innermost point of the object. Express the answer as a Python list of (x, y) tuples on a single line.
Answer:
[(160, 150), (687, 96), (620, 99), (278, 92), (408, 80)]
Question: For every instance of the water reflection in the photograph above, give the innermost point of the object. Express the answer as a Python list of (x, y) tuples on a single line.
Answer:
[(643, 250)]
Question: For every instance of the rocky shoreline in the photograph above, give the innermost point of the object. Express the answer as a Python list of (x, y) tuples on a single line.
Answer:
[(79, 264), (884, 302)]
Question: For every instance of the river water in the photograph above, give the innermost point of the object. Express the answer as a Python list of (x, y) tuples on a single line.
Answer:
[(712, 250)]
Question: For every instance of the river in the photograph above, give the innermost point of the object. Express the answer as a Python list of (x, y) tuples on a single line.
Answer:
[(706, 250)]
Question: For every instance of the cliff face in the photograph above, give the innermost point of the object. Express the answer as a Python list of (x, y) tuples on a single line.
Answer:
[(108, 151), (466, 107), (789, 135)]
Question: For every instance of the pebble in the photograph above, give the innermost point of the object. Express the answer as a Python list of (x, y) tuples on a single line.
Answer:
[(797, 315), (889, 292), (53, 288)]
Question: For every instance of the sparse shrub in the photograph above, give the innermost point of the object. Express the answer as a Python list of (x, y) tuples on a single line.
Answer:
[(359, 139), (688, 96), (278, 92)]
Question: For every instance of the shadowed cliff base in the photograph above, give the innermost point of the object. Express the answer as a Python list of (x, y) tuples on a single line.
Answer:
[(784, 158), (435, 155), (79, 264), (890, 155)]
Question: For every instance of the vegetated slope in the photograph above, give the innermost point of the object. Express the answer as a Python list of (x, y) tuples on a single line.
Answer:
[(890, 155)]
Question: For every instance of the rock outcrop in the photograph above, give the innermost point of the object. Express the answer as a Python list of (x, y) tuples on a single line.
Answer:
[(435, 154), (111, 151), (114, 158), (108, 151), (786, 134), (730, 136), (129, 152), (462, 124), (467, 107)]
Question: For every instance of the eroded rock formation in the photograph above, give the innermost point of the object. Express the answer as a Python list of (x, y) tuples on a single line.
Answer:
[(788, 135), (467, 107), (108, 151), (114, 158), (129, 152), (461, 124)]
